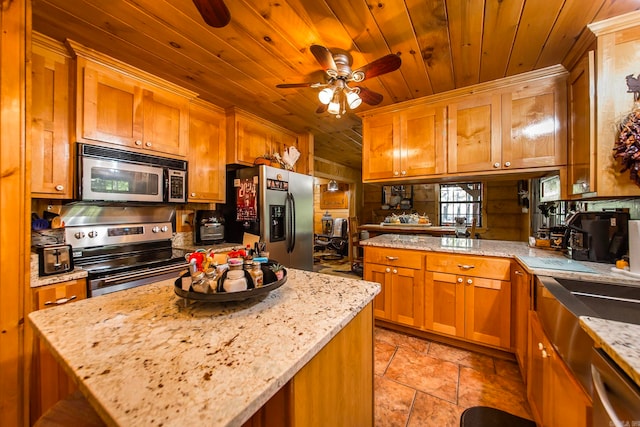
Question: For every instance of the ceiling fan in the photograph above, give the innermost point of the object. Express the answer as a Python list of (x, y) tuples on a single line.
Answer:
[(337, 93), (214, 12)]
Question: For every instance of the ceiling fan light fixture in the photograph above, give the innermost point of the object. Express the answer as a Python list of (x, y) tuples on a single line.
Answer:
[(353, 100), (326, 95)]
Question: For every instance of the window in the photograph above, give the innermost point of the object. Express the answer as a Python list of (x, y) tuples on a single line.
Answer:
[(461, 201)]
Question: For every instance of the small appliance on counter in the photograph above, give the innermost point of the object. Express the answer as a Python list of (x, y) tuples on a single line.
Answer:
[(598, 236), (54, 259), (209, 227)]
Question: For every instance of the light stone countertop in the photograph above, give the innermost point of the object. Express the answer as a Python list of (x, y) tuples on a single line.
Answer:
[(145, 356), (621, 341), (35, 280)]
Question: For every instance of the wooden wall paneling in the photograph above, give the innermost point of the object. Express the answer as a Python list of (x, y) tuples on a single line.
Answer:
[(14, 199)]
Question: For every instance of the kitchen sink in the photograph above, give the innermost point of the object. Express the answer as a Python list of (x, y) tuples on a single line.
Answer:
[(608, 301), (560, 302)]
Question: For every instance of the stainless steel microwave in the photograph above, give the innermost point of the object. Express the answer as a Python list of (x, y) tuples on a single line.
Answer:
[(109, 174)]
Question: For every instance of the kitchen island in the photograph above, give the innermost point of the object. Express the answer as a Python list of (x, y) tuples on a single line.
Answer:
[(145, 356)]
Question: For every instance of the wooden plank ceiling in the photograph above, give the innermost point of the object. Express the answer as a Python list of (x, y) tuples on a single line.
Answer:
[(444, 44)]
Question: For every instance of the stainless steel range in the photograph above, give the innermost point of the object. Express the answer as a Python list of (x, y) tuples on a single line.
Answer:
[(122, 246)]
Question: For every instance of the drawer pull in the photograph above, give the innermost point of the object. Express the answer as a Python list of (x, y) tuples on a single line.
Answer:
[(392, 258), (387, 270), (519, 273), (395, 271), (469, 282), (60, 301), (466, 266)]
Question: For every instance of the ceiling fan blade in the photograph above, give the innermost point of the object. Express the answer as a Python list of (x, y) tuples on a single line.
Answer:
[(289, 85), (321, 108), (380, 66), (370, 97), (214, 12), (324, 57)]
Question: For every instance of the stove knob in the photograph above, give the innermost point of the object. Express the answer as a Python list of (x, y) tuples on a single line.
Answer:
[(79, 235), (165, 229), (93, 234), (155, 229)]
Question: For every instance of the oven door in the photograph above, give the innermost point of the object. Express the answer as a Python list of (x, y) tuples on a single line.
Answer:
[(120, 181), (104, 284)]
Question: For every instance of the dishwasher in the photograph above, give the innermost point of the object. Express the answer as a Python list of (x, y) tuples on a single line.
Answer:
[(616, 398)]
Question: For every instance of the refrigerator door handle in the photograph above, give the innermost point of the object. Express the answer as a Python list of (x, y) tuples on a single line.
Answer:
[(293, 222), (288, 221)]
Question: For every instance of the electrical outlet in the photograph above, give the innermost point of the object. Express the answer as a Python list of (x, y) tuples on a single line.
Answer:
[(185, 219)]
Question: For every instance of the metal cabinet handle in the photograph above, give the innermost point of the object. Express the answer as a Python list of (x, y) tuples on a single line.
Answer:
[(469, 282), (59, 187), (459, 279), (148, 144), (396, 173), (540, 346), (387, 270), (138, 142), (403, 172), (392, 258), (519, 273), (507, 164), (395, 271), (545, 354), (193, 194), (466, 266), (496, 165), (60, 301), (601, 392)]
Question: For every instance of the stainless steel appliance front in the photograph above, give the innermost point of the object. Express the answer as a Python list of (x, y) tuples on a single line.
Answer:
[(107, 174)]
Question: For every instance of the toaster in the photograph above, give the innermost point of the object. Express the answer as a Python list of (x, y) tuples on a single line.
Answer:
[(55, 259)]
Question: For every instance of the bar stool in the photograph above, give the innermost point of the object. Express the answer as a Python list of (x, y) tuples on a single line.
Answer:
[(484, 416), (72, 411)]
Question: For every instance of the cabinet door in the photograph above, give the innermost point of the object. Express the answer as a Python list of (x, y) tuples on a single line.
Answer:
[(474, 135), (538, 368), (521, 285), (165, 118), (281, 141), (50, 382), (407, 296), (207, 151), (51, 149), (111, 107), (253, 140), (444, 303), (380, 154), (568, 405), (581, 126), (487, 311), (422, 141), (382, 302), (533, 121)]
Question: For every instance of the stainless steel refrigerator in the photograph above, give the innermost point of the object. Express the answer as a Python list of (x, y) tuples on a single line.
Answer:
[(277, 205)]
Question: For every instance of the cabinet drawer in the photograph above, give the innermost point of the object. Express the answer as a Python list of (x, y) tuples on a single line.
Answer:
[(477, 266), (395, 257)]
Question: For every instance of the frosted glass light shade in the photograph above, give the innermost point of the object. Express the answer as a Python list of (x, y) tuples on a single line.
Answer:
[(325, 95), (334, 107), (353, 100)]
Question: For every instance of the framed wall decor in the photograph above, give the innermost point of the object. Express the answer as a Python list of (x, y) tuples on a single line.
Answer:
[(334, 199)]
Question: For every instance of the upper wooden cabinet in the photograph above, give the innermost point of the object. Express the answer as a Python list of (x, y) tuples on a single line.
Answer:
[(52, 151), (474, 134), (514, 127), (118, 104), (515, 123), (581, 170), (409, 143), (617, 58), (250, 137), (207, 153)]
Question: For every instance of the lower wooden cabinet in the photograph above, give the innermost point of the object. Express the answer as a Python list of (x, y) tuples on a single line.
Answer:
[(49, 382), (521, 297), (400, 274), (469, 297), (334, 389), (555, 397)]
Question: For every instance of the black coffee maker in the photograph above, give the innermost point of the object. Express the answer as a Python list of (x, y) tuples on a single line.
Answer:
[(598, 236), (208, 227)]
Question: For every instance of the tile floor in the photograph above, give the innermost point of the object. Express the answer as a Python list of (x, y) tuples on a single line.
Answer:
[(424, 383)]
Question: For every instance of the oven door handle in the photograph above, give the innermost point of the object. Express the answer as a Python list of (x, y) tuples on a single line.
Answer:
[(114, 280)]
